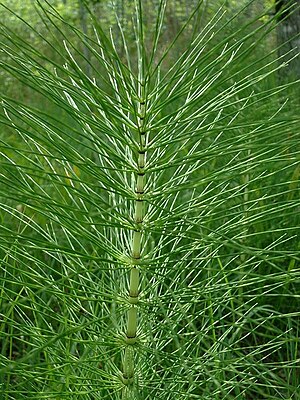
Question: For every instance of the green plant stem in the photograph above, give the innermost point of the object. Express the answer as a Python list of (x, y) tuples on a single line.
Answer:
[(139, 213)]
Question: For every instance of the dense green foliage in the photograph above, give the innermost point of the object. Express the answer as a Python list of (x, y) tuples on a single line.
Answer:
[(150, 157)]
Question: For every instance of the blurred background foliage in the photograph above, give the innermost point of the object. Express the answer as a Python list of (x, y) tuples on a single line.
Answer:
[(177, 13)]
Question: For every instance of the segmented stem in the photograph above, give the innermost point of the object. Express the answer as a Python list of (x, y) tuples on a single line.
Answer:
[(139, 213)]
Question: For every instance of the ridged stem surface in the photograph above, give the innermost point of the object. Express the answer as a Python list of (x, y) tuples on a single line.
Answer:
[(136, 250)]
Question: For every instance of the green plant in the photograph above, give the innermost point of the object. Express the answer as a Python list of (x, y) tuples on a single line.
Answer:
[(149, 216)]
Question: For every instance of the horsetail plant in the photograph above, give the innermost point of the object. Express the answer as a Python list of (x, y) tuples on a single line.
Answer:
[(149, 208)]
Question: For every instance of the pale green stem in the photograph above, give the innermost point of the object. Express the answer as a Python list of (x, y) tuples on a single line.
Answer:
[(133, 293)]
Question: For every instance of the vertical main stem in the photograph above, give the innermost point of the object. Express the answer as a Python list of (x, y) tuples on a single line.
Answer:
[(136, 249)]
